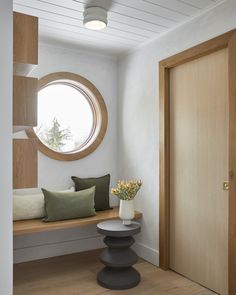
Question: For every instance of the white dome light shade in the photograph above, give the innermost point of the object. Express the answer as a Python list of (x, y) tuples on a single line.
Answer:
[(95, 18)]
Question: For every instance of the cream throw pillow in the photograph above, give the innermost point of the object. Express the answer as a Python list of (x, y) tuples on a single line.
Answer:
[(30, 206)]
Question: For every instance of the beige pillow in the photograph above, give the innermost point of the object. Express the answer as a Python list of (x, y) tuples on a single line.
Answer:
[(30, 206)]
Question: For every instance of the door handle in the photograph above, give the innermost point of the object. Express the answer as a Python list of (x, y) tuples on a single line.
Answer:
[(226, 185)]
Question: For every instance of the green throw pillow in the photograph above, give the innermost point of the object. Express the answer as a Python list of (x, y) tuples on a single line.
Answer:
[(69, 205), (101, 192)]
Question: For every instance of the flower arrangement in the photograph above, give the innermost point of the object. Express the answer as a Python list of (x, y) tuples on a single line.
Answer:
[(126, 190)]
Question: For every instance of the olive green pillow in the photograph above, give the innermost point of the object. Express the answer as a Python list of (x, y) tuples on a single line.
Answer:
[(102, 190), (69, 205)]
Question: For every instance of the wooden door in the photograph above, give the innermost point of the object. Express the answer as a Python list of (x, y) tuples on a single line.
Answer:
[(197, 154), (199, 135)]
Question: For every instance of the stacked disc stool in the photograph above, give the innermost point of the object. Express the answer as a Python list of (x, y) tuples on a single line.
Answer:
[(118, 258)]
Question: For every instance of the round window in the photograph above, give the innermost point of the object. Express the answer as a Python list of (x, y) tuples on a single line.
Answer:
[(72, 117)]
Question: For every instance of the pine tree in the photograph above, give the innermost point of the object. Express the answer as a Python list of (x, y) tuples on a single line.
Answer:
[(55, 137)]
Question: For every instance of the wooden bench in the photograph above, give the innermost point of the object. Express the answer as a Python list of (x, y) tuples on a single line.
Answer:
[(31, 226)]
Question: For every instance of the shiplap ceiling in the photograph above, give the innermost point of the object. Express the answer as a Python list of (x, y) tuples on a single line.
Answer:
[(130, 22)]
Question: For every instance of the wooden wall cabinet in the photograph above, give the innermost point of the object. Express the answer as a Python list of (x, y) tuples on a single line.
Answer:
[(25, 43), (25, 159), (25, 93)]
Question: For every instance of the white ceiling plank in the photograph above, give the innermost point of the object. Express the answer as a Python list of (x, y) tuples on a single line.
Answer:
[(97, 35), (174, 5), (80, 37), (81, 34), (135, 22), (163, 21), (131, 29), (152, 9), (59, 7), (51, 35), (201, 4)]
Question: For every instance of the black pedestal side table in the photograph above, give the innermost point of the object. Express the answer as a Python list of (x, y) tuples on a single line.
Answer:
[(118, 258)]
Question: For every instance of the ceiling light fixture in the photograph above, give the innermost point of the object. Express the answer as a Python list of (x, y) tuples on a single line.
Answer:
[(95, 18)]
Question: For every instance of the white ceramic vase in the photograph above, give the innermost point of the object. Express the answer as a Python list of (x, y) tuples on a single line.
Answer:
[(126, 211)]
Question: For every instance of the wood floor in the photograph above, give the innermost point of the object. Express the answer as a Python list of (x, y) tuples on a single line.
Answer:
[(76, 275)]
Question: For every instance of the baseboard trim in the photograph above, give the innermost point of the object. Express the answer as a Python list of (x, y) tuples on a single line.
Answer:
[(57, 249), (78, 245), (147, 253)]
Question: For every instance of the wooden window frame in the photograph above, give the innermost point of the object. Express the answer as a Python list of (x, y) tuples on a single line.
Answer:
[(99, 113), (227, 40)]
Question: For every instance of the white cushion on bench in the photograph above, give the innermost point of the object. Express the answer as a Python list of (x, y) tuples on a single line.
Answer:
[(28, 206)]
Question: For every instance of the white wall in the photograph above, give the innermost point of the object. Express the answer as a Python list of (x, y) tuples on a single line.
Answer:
[(6, 147), (138, 118), (52, 174)]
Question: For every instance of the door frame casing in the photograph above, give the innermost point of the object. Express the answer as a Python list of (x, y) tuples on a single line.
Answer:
[(227, 40)]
